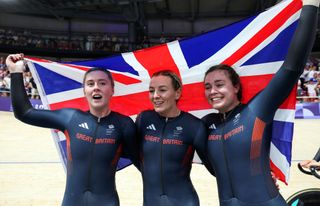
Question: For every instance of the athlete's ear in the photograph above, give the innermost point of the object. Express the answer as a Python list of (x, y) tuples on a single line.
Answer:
[(83, 89), (236, 88), (178, 94), (112, 91)]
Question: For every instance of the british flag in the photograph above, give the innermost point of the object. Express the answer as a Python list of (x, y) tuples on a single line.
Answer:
[(256, 47)]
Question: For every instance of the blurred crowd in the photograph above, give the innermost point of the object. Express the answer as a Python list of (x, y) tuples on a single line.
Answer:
[(5, 80), (309, 83), (78, 42)]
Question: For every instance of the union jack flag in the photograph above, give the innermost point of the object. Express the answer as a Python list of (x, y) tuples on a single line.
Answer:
[(255, 47)]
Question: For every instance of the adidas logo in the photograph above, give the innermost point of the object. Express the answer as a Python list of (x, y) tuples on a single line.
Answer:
[(84, 125), (151, 127), (212, 126)]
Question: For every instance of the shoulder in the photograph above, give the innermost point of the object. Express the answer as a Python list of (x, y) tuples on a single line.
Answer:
[(211, 117), (121, 117), (211, 120), (193, 121), (190, 117), (147, 114), (123, 121), (71, 111)]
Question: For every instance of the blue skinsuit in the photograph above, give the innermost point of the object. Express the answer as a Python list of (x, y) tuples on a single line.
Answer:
[(167, 148), (94, 146), (239, 142)]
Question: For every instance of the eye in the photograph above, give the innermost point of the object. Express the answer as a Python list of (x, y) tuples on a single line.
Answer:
[(219, 85), (151, 91), (90, 84), (207, 87)]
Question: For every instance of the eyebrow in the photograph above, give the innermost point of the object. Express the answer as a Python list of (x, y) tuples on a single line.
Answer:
[(215, 81), (161, 86), (219, 80), (88, 80)]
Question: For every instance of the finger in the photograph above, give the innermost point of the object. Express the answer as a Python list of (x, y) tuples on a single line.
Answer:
[(18, 57), (15, 57)]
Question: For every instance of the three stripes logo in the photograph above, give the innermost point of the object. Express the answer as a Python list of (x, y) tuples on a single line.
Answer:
[(213, 126), (151, 127), (84, 125)]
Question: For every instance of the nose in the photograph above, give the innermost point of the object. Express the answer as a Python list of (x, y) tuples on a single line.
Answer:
[(96, 86), (212, 90), (155, 94)]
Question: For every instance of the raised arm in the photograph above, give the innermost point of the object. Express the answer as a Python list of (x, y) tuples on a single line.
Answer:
[(303, 38), (279, 88), (22, 107)]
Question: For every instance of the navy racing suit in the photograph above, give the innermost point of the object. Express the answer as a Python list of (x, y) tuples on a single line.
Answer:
[(239, 142), (167, 147), (94, 146)]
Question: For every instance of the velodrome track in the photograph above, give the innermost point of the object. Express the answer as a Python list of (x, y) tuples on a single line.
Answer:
[(31, 174)]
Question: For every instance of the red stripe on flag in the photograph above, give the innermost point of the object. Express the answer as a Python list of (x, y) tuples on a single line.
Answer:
[(37, 59), (131, 104), (290, 102), (156, 59), (78, 103), (83, 68), (252, 85), (265, 32), (193, 97), (278, 173), (125, 79)]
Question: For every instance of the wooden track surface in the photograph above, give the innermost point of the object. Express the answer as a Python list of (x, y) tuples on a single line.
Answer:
[(31, 173)]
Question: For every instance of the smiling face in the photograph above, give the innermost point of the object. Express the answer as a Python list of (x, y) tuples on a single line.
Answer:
[(98, 90), (220, 92), (163, 96)]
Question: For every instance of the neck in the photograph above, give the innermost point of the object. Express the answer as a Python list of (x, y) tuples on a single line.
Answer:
[(173, 113), (100, 113), (229, 109)]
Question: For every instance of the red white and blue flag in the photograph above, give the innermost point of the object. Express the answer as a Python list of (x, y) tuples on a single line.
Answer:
[(255, 47)]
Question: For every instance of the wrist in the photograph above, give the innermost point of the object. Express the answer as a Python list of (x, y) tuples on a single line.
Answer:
[(12, 71)]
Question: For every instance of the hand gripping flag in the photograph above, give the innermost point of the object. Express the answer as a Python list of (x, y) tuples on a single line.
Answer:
[(255, 47)]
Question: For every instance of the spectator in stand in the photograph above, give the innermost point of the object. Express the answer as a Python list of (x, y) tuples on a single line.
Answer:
[(145, 42), (117, 47), (2, 64), (301, 91), (3, 90), (34, 90), (26, 80), (162, 39), (7, 82), (311, 88)]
